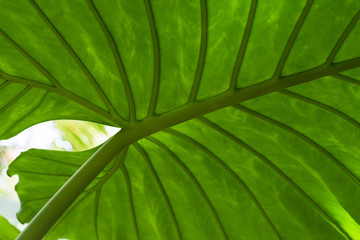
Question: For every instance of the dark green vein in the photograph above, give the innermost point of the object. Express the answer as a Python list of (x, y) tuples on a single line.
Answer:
[(96, 210), (160, 186), (77, 59), (109, 173), (190, 111), (56, 85), (67, 94), (156, 47), (118, 61), (32, 83), (277, 170), (44, 174), (202, 54), (302, 137), (292, 39), (31, 59), (35, 199), (55, 161), (231, 172), (321, 105), (4, 84), (347, 79), (244, 42), (28, 113), (17, 97), (97, 187), (342, 38), (66, 214), (56, 88), (194, 180), (131, 201)]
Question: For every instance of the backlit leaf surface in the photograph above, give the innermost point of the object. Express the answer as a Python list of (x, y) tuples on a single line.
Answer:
[(7, 231), (282, 165)]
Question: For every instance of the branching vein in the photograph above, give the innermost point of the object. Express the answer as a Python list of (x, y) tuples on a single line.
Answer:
[(96, 209), (44, 174), (321, 105), (35, 199), (342, 39), (28, 113), (56, 161), (65, 93), (77, 59), (347, 79), (277, 170), (156, 47), (67, 213), (161, 187), (292, 39), (231, 172), (304, 138), (56, 85), (202, 54), (244, 42), (194, 180), (31, 59), (4, 84), (116, 54), (14, 100), (130, 198)]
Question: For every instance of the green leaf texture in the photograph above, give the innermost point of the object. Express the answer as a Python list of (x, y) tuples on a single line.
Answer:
[(282, 165), (7, 231)]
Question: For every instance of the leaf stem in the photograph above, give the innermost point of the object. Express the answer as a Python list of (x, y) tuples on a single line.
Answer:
[(67, 194)]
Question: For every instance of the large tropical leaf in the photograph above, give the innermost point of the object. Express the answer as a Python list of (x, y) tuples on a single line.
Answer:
[(282, 165)]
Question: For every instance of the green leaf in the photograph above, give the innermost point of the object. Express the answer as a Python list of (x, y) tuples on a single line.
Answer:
[(7, 231), (242, 115), (81, 135)]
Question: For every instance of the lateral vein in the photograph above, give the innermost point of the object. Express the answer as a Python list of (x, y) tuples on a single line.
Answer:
[(17, 97), (156, 48), (302, 137), (76, 57), (202, 54), (130, 199), (244, 42), (65, 93), (117, 58), (231, 172), (194, 180), (342, 38), (31, 59), (321, 105), (160, 186), (292, 39), (276, 170)]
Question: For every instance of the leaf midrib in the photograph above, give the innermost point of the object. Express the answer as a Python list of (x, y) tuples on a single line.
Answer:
[(232, 96), (194, 109)]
